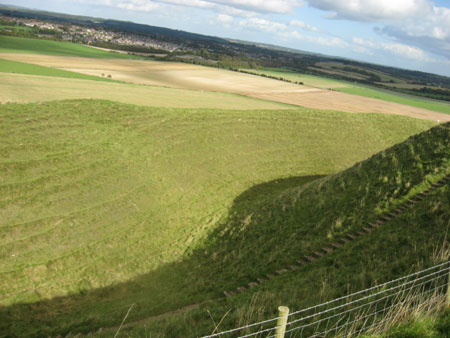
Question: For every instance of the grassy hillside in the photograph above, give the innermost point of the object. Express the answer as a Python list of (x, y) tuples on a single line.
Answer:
[(409, 243), (264, 234), (350, 88), (7, 66), (11, 44), (106, 204)]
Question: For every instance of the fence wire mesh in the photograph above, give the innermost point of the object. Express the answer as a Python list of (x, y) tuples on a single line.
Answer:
[(365, 311)]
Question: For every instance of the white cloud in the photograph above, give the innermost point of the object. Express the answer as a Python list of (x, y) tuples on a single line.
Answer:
[(364, 42), (265, 6), (418, 24), (286, 36), (374, 10), (400, 49), (261, 6), (329, 41), (405, 50), (224, 18), (244, 8), (263, 25), (137, 5), (303, 25)]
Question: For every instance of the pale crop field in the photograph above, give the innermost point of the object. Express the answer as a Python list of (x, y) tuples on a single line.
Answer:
[(24, 88), (308, 80), (157, 73), (327, 99), (380, 96)]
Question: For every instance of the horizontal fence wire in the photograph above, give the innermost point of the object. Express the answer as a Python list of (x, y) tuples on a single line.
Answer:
[(371, 289), (358, 312), (364, 319)]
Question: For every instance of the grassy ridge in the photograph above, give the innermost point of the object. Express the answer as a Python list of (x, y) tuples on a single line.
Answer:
[(404, 245), (310, 216), (10, 44), (282, 229), (7, 66), (105, 204)]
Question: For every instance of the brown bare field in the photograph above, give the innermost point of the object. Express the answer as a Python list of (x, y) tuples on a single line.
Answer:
[(200, 78)]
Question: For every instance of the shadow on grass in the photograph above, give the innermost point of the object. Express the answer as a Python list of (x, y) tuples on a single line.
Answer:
[(233, 254)]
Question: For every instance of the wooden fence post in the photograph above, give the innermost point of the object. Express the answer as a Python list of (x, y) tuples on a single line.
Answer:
[(283, 312)]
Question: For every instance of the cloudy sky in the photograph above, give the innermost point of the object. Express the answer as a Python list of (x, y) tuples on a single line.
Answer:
[(413, 34)]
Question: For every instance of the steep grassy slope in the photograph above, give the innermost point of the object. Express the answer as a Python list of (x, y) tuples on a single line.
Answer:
[(283, 229), (254, 242), (409, 243), (104, 204)]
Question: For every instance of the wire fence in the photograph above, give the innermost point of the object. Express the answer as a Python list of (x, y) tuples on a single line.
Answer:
[(366, 311)]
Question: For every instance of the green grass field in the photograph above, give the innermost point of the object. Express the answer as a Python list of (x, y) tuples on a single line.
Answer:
[(10, 44), (350, 88), (7, 66), (15, 28), (105, 204), (268, 231)]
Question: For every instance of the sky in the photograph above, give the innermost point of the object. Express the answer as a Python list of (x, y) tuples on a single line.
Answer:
[(411, 34)]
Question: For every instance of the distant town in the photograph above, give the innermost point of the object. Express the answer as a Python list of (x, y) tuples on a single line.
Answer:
[(91, 36)]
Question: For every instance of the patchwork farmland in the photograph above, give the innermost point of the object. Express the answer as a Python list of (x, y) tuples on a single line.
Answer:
[(192, 77)]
